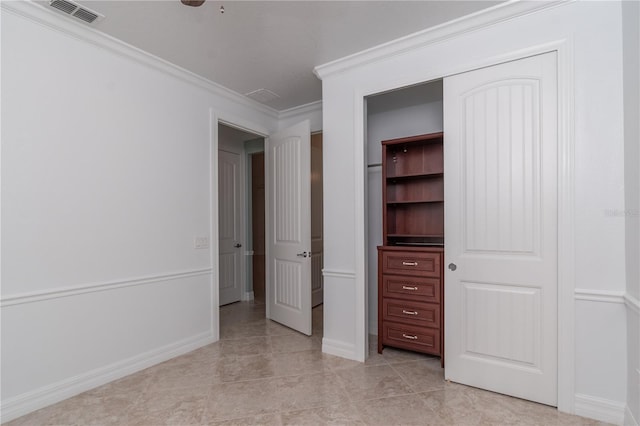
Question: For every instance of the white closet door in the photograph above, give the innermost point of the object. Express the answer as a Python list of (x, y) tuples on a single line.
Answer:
[(501, 228), (288, 233)]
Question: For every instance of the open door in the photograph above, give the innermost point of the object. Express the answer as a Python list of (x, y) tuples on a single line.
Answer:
[(288, 230), (501, 239)]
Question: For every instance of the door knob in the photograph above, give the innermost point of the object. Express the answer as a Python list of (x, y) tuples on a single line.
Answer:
[(303, 254), (238, 245), (452, 267)]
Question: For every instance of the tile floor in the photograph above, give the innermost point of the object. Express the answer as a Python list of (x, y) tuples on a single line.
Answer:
[(263, 373)]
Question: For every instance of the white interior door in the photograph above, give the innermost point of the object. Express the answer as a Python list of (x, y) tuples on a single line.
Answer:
[(500, 154), (317, 246), (288, 233), (229, 219)]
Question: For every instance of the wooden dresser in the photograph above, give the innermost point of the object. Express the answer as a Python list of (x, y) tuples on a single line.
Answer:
[(410, 291), (410, 263)]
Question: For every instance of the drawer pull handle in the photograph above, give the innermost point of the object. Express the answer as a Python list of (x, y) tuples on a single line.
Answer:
[(406, 287), (404, 311), (409, 336), (409, 263)]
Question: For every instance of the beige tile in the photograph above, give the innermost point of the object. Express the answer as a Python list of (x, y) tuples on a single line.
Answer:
[(421, 376), (339, 414), (251, 367), (466, 407), (338, 363), (398, 410), (263, 327), (375, 358), (183, 373), (308, 391), (393, 355), (259, 420), (170, 407), (275, 329), (242, 330), (84, 409), (242, 399), (372, 382), (205, 353), (247, 346), (244, 380), (294, 343), (523, 412), (250, 398), (296, 363)]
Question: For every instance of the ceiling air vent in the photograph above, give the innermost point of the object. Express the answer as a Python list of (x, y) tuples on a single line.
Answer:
[(71, 8), (262, 95)]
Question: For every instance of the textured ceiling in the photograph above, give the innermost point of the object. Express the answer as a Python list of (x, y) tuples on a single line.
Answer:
[(271, 45)]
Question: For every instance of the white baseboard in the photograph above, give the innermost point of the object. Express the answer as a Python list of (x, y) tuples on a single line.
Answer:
[(23, 404), (629, 420), (248, 296), (601, 409), (337, 348)]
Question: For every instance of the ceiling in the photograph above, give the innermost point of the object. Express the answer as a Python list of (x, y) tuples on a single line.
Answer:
[(271, 45)]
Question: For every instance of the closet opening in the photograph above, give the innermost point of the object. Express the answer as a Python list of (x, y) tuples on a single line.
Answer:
[(401, 113)]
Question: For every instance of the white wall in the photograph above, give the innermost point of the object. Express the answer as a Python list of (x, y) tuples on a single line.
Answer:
[(631, 63), (311, 112), (408, 112), (106, 180), (590, 32)]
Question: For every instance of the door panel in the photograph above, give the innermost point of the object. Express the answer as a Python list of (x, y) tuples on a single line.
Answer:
[(287, 167), (229, 227), (501, 228)]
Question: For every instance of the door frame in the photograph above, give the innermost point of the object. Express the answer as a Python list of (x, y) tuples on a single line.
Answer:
[(233, 121), (566, 193)]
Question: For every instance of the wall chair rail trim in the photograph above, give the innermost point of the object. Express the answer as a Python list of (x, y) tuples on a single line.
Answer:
[(39, 296), (605, 296), (334, 273), (632, 303)]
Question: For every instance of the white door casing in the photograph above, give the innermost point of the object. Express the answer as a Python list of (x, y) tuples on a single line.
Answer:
[(230, 227), (501, 233), (288, 230)]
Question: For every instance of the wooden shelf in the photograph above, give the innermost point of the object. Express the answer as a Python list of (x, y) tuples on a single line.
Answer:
[(415, 176), (415, 202)]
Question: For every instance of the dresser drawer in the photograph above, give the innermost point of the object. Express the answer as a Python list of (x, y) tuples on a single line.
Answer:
[(413, 288), (423, 264), (412, 313), (426, 340)]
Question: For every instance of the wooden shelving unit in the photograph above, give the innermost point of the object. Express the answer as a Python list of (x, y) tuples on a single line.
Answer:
[(413, 190), (410, 315)]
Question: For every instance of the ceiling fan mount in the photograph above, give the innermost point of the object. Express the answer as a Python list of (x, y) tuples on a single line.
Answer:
[(193, 3)]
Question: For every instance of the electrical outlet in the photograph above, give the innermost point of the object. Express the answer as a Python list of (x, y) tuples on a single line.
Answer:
[(201, 242)]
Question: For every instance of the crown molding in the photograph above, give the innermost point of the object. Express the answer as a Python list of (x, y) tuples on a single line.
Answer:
[(40, 15), (301, 109), (454, 28)]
